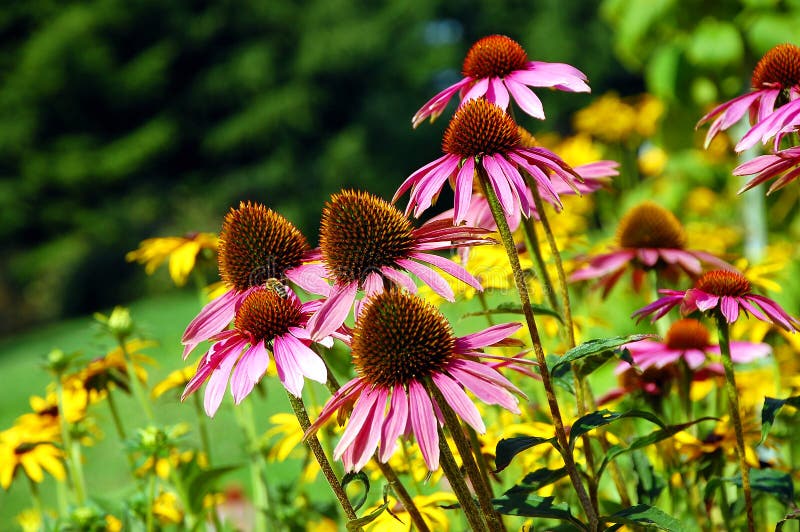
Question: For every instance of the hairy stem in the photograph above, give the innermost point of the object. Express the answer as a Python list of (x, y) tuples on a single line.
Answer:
[(460, 488)]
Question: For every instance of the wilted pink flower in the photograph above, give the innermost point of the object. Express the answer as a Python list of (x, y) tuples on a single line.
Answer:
[(267, 320), (726, 290), (650, 238), (482, 134), (497, 66), (776, 83), (784, 163), (366, 243), (401, 346), (256, 244)]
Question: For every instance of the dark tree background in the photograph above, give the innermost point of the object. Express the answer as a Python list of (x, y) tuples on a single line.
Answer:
[(125, 120)]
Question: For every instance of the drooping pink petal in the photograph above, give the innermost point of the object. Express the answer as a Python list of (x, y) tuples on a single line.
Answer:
[(458, 401), (399, 278), (700, 300), (557, 75), (429, 277), (450, 267), (395, 423), (648, 257), (334, 311), (484, 389), (486, 337), (308, 362), (496, 93), (358, 418), (499, 184), (311, 278), (429, 187), (775, 312), (417, 176), (366, 441), (521, 192), (730, 308), (602, 265), (217, 382), (525, 98), (213, 318), (476, 91), (463, 190), (251, 367), (434, 107), (423, 423), (351, 390)]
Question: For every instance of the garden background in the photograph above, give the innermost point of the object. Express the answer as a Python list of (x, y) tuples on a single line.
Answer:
[(121, 121)]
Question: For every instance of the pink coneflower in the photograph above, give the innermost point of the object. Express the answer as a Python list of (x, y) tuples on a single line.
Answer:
[(266, 320), (366, 242), (401, 345), (784, 163), (482, 134), (724, 290), (775, 82), (650, 238), (497, 66), (256, 244)]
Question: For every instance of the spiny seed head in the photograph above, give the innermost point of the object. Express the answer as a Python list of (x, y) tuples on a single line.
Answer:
[(723, 283), (480, 128), (257, 244), (650, 226), (400, 337), (780, 67), (687, 334), (360, 233), (494, 56), (264, 314)]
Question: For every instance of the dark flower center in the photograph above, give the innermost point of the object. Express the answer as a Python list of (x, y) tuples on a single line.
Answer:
[(264, 314), (400, 337), (650, 226), (480, 128), (494, 56), (723, 283), (687, 334), (779, 68), (360, 233), (257, 244)]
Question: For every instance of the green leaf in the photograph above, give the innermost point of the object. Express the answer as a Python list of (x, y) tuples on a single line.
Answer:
[(535, 506), (203, 482), (793, 515), (643, 441), (642, 514), (771, 408), (538, 479), (594, 347), (650, 485), (715, 44), (768, 481), (508, 448), (514, 308), (604, 417), (364, 480)]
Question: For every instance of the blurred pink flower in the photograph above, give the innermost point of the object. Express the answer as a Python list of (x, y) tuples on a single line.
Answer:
[(497, 66)]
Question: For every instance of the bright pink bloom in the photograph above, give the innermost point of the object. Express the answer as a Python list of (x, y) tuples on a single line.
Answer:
[(784, 163), (482, 137), (650, 238), (496, 67), (266, 320), (390, 396), (366, 243), (724, 290), (773, 103), (256, 244)]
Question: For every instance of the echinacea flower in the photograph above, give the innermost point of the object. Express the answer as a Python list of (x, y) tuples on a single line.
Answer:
[(496, 67), (773, 104), (726, 291), (482, 136), (400, 346), (256, 244), (649, 238), (181, 250), (366, 243), (784, 165), (265, 321), (31, 450)]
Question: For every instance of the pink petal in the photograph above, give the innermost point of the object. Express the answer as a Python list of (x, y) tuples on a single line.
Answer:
[(213, 318), (744, 352), (499, 184), (525, 98), (450, 267), (248, 371), (333, 311), (346, 393), (358, 420), (486, 337), (288, 370), (367, 440), (429, 277), (399, 278), (484, 389), (497, 93), (215, 389), (730, 308), (311, 278), (434, 107), (308, 362), (395, 423), (463, 190), (423, 423), (477, 90), (458, 401)]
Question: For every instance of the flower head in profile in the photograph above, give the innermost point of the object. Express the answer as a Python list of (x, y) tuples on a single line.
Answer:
[(267, 320), (256, 244), (182, 252), (482, 137), (367, 243), (401, 345), (649, 238), (773, 103), (725, 291), (497, 69), (784, 166)]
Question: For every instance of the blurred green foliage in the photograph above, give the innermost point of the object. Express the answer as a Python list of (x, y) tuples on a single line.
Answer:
[(125, 120)]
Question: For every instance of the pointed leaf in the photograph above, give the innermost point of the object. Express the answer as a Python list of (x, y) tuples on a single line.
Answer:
[(514, 308), (793, 515), (595, 347), (508, 448), (537, 480), (604, 417), (649, 485), (535, 506), (364, 480), (770, 410), (642, 514), (770, 481)]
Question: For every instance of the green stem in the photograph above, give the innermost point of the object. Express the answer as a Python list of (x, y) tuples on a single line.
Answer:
[(485, 307), (36, 498), (119, 427), (151, 495), (73, 449), (258, 468), (450, 468), (733, 406), (482, 488), (313, 443), (555, 411), (136, 386), (532, 242)]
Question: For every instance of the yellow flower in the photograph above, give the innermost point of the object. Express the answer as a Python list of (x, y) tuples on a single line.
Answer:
[(649, 111), (429, 506), (31, 451), (162, 465), (776, 258), (290, 438), (578, 149), (652, 160), (113, 524), (76, 401), (182, 253), (608, 118), (176, 379), (325, 524), (722, 438), (702, 201), (101, 372), (30, 520), (167, 509), (713, 238)]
